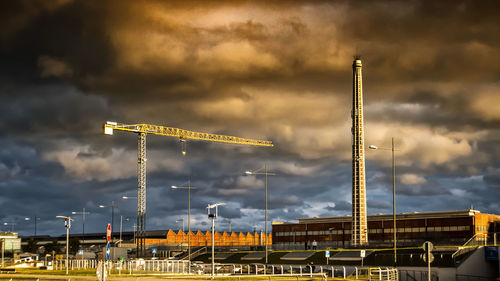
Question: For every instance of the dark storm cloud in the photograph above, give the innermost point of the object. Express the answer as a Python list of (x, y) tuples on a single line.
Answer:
[(278, 70), (340, 206), (378, 204)]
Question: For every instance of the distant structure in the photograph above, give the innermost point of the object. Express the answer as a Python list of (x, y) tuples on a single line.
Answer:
[(359, 232)]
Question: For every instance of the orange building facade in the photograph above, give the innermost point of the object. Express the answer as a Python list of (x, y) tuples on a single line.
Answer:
[(200, 239)]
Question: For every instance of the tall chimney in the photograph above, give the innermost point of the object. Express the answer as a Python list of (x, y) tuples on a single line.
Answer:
[(359, 234)]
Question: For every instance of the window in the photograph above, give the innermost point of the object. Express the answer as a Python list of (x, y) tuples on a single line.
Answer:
[(464, 228)]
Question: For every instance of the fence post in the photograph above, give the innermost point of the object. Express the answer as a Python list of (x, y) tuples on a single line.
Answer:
[(344, 271), (310, 271)]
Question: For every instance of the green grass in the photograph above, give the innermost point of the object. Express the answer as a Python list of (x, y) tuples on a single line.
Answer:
[(82, 272), (2, 277)]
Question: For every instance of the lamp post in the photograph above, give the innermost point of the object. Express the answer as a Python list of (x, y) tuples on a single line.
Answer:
[(266, 173), (135, 229), (35, 218), (393, 193), (3, 252), (121, 227), (230, 232), (83, 213), (11, 225), (112, 206), (213, 216), (67, 225), (254, 233), (181, 220), (188, 187), (136, 240)]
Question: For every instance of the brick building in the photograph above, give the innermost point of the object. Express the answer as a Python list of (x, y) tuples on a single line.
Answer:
[(448, 227)]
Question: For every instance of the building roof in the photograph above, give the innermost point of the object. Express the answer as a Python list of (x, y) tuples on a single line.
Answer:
[(377, 217)]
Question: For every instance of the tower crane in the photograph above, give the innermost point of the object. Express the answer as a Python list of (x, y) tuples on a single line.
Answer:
[(144, 129)]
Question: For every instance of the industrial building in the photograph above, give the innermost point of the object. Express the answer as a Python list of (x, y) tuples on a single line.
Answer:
[(412, 229)]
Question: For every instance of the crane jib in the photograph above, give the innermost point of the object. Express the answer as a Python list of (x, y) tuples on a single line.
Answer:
[(180, 133)]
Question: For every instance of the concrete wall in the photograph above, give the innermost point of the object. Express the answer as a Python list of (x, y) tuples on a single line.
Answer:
[(420, 273), (477, 265)]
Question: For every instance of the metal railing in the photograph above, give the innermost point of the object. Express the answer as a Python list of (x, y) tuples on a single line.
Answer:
[(182, 267), (131, 267), (479, 239)]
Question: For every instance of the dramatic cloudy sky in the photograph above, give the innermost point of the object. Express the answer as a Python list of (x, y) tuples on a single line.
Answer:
[(277, 70)]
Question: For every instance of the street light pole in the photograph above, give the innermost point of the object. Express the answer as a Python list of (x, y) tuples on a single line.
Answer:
[(213, 216), (35, 218), (213, 245), (265, 238), (182, 231), (112, 216), (121, 227), (136, 227), (394, 200), (266, 173), (112, 219), (181, 220), (11, 225), (83, 213), (3, 252), (67, 224), (188, 187), (392, 149)]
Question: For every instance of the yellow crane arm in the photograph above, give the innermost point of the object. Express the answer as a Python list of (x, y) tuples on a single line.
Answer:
[(108, 128)]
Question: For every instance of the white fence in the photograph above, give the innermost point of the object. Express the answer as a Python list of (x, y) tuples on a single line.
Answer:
[(183, 267), (361, 273), (132, 266)]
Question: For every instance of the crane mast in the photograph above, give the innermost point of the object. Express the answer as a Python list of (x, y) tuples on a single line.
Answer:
[(142, 130)]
